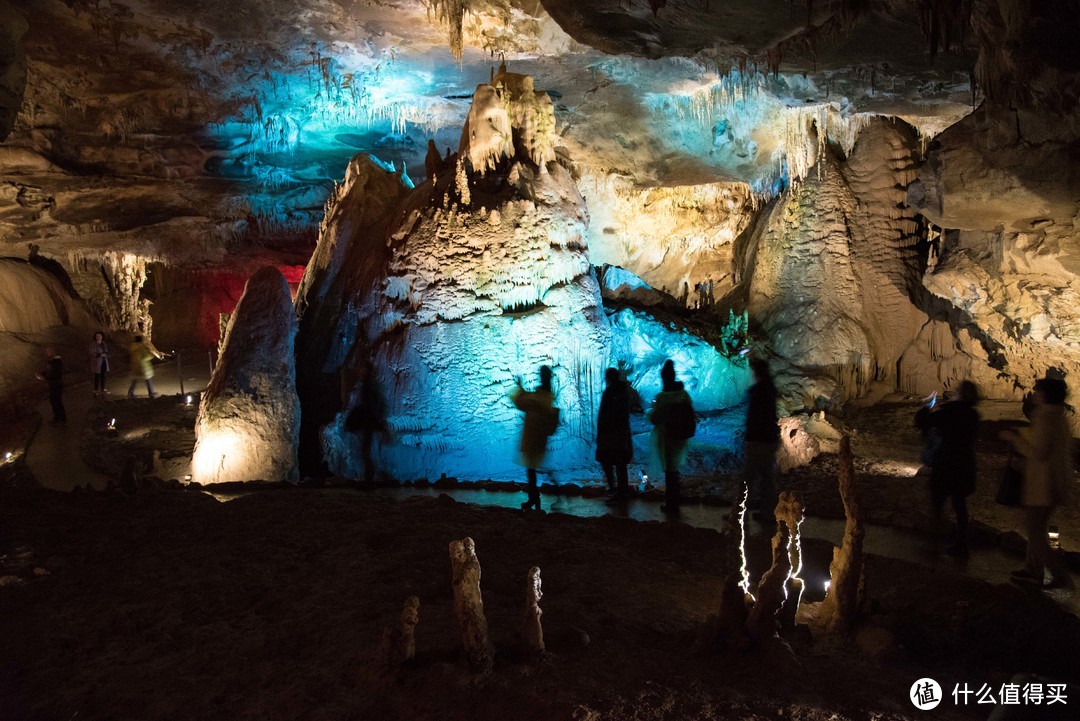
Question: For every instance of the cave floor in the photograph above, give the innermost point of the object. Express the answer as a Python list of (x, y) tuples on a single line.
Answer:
[(271, 605), (171, 604)]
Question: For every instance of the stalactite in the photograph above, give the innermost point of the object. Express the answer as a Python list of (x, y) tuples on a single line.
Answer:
[(451, 12)]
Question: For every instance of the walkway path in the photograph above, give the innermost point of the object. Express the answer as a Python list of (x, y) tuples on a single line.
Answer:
[(54, 456)]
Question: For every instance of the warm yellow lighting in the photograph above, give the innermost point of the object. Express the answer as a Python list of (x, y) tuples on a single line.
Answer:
[(221, 456), (827, 583)]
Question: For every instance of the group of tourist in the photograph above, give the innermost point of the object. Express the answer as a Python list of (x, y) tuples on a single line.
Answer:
[(674, 423), (140, 362), (951, 431), (1046, 448)]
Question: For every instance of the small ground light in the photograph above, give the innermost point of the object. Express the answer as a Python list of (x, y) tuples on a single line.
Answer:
[(1053, 537), (187, 399), (7, 456)]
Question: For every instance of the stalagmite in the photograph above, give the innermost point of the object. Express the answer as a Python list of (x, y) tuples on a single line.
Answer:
[(469, 605), (772, 589), (844, 597), (790, 512), (398, 645), (727, 627), (249, 418), (532, 633)]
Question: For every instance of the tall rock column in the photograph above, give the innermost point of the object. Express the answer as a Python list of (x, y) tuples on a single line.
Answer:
[(840, 608), (469, 605), (249, 418)]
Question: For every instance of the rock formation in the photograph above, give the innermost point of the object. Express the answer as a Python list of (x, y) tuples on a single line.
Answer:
[(764, 619), (12, 65), (249, 416), (806, 169), (398, 645), (477, 277), (469, 605), (830, 270), (727, 628), (843, 601), (532, 633), (37, 310), (790, 513)]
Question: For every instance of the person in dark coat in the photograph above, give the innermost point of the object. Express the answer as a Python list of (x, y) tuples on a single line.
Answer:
[(368, 419), (614, 444), (761, 440), (952, 475), (670, 402), (539, 407), (53, 374)]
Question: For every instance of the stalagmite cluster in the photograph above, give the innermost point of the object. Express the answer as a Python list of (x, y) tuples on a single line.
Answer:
[(469, 605)]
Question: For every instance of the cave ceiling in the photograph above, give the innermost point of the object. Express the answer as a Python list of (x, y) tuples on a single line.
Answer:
[(177, 127)]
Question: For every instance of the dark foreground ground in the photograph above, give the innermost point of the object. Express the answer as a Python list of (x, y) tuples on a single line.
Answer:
[(172, 605)]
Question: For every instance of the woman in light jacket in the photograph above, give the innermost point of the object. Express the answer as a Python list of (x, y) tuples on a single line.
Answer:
[(1048, 472), (538, 406)]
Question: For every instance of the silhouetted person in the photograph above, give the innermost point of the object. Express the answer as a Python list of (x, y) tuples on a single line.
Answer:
[(99, 362), (952, 474), (1047, 448), (367, 419), (761, 440), (53, 375), (672, 416), (141, 358), (614, 444), (541, 417)]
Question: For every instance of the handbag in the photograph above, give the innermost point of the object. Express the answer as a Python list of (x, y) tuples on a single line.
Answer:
[(1011, 483)]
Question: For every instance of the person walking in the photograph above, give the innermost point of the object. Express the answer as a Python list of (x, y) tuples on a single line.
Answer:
[(141, 358), (761, 441), (954, 428), (53, 375), (99, 362), (1048, 471), (541, 420), (614, 444), (368, 419), (673, 420)]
